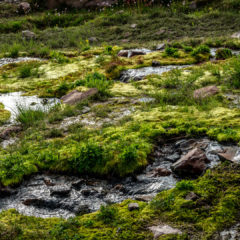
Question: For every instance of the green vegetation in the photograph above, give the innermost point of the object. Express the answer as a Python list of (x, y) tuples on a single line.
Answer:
[(113, 133)]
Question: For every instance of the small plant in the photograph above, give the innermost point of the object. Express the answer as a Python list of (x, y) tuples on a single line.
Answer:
[(185, 185), (84, 45), (223, 53), (109, 50), (171, 52), (188, 49), (58, 57), (25, 71), (54, 133), (107, 214), (202, 49)]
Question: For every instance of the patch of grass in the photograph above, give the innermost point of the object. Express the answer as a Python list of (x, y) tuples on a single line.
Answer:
[(29, 117), (223, 53)]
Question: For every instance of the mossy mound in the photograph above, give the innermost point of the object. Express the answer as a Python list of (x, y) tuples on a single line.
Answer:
[(4, 114)]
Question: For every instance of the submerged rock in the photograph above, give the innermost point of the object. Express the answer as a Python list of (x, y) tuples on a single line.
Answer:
[(205, 92), (163, 230), (192, 164), (75, 96)]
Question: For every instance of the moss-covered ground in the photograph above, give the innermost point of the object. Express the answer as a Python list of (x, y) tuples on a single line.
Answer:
[(119, 131)]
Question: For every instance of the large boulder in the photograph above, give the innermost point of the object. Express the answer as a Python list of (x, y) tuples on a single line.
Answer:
[(75, 96), (205, 92), (194, 163), (80, 3)]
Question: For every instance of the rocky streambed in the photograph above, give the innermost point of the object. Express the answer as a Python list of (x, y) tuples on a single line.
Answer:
[(46, 195)]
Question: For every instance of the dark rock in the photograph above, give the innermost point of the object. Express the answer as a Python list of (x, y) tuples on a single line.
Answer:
[(133, 206), (75, 96), (161, 172), (192, 164), (192, 196), (81, 209), (193, 5), (119, 187), (60, 191), (156, 64), (88, 192), (205, 92), (41, 202), (5, 134), (78, 184), (7, 192), (28, 35)]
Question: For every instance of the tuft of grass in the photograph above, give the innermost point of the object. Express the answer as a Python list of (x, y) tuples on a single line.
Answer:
[(29, 117)]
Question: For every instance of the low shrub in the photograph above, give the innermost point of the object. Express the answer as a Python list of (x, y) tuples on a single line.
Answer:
[(107, 214), (171, 52), (202, 49)]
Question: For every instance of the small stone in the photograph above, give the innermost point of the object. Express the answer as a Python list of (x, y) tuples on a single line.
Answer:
[(156, 64), (133, 25), (93, 39), (205, 92), (160, 32), (163, 230), (48, 182), (236, 35), (75, 96), (88, 192), (86, 110), (133, 206), (6, 192), (119, 187), (144, 198), (160, 46), (192, 196), (28, 35), (161, 172)]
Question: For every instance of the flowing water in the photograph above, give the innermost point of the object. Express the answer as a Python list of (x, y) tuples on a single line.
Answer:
[(5, 61), (65, 196)]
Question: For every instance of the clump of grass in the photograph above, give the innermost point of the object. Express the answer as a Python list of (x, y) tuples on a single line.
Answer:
[(28, 70), (96, 80), (59, 57), (223, 53), (107, 214), (171, 52), (14, 51), (29, 117)]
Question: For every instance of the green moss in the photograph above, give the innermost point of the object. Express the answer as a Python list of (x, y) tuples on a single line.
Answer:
[(4, 114)]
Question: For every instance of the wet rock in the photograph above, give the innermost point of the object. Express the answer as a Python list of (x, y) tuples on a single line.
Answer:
[(48, 181), (78, 184), (88, 192), (28, 35), (160, 46), (75, 96), (230, 234), (192, 196), (173, 157), (7, 192), (133, 206), (156, 64), (82, 209), (163, 230), (205, 92), (86, 110), (161, 172), (119, 187), (24, 8), (192, 164), (60, 191), (230, 154), (5, 134)]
